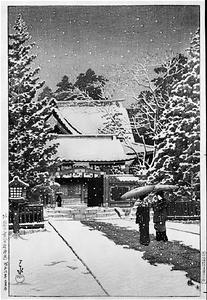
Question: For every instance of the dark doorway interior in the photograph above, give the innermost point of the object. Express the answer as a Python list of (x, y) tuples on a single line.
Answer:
[(95, 192)]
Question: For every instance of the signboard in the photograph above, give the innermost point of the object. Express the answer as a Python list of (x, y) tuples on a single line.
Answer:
[(88, 175), (77, 175), (69, 175)]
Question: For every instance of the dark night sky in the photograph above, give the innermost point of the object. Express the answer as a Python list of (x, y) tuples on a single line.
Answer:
[(70, 39)]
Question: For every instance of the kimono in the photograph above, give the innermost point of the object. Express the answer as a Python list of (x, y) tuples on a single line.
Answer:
[(159, 219), (143, 219)]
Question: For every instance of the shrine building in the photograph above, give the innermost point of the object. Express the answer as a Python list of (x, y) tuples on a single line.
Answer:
[(89, 157)]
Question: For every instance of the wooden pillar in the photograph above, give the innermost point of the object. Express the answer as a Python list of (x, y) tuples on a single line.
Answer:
[(106, 191), (16, 218)]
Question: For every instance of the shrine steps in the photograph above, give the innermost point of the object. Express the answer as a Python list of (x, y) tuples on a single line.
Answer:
[(81, 213)]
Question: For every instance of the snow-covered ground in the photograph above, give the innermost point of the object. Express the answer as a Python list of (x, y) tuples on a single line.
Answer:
[(49, 266), (187, 234), (78, 261)]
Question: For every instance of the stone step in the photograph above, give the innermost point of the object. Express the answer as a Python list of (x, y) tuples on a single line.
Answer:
[(106, 214), (115, 217), (59, 215), (82, 213)]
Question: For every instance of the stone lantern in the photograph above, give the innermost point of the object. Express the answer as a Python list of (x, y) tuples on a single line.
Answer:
[(17, 197)]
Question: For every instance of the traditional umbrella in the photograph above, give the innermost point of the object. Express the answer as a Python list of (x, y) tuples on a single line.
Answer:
[(142, 190), (165, 187)]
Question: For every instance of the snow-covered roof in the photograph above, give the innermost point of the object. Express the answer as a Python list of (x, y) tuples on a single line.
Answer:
[(88, 119), (57, 117), (18, 182), (92, 148), (125, 178), (137, 147)]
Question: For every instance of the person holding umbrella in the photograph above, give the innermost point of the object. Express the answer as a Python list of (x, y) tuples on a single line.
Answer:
[(143, 219), (160, 216), (143, 211), (159, 204)]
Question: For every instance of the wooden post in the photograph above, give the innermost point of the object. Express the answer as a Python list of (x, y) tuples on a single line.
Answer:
[(16, 218), (106, 191)]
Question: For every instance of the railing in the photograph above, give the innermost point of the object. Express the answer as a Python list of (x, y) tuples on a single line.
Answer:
[(184, 209), (126, 203), (175, 210), (28, 214)]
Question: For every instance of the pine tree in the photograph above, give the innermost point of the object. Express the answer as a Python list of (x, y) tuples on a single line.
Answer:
[(178, 155), (169, 73), (29, 150), (65, 89), (146, 111), (91, 84)]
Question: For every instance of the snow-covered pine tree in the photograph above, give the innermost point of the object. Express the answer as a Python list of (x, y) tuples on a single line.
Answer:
[(150, 103), (178, 155), (29, 152)]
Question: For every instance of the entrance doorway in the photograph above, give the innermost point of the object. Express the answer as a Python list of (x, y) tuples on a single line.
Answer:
[(95, 191), (81, 191)]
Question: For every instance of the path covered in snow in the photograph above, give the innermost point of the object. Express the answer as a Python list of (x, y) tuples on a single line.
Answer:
[(50, 267), (69, 259), (121, 271)]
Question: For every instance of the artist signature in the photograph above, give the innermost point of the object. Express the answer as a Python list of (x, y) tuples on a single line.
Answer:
[(20, 277)]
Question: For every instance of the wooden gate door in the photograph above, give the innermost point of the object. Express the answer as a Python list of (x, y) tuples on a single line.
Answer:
[(95, 192)]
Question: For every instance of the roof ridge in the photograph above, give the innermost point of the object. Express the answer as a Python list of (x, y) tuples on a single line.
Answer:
[(87, 135), (88, 101)]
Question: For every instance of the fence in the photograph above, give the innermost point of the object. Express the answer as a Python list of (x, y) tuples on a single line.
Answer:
[(122, 204), (175, 210), (28, 214), (181, 209)]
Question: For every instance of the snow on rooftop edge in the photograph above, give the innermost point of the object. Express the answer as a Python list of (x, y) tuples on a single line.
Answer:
[(91, 148)]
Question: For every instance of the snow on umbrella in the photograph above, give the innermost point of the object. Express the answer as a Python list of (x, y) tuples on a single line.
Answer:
[(142, 190), (165, 187)]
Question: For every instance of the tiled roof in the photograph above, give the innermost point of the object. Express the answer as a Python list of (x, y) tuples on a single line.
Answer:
[(89, 119), (90, 148)]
